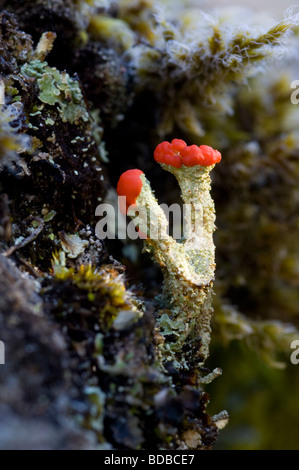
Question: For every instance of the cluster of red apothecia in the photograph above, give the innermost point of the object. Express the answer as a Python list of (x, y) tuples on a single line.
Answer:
[(176, 154)]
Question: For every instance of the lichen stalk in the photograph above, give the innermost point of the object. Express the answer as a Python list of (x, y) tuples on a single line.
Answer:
[(188, 265)]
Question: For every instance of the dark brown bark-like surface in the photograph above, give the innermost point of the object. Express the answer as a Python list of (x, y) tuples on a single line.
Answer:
[(83, 368)]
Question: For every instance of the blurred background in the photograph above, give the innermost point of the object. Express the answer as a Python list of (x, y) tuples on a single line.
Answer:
[(274, 7), (262, 400)]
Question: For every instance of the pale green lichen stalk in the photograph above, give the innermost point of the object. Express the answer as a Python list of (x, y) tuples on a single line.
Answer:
[(189, 291), (188, 265)]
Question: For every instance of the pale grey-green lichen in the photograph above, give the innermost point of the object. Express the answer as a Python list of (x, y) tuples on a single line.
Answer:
[(58, 88), (72, 244), (188, 266)]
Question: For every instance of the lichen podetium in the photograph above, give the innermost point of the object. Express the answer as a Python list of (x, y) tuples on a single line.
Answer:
[(188, 265)]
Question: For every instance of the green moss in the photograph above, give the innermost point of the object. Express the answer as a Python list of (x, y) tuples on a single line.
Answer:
[(112, 29), (192, 65), (103, 289)]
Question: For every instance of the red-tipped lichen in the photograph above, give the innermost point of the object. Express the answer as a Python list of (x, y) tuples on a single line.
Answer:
[(211, 156), (129, 185), (177, 153), (170, 153), (192, 156)]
